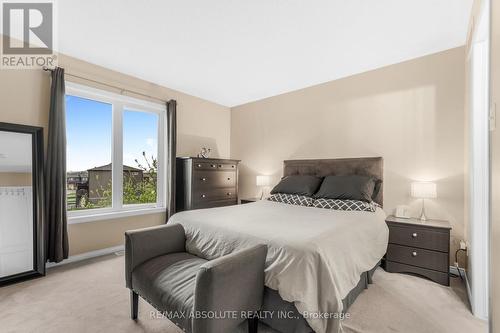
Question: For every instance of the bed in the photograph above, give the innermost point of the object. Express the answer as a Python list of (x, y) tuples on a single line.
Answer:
[(318, 261)]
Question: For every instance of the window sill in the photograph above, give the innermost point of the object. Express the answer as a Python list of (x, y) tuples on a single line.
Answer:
[(113, 215)]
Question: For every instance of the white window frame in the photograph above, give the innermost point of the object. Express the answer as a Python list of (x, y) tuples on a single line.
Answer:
[(120, 104), (479, 166)]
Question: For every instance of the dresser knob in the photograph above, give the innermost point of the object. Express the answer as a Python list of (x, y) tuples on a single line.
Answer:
[(228, 193), (414, 254), (229, 179), (414, 235), (232, 166), (203, 179), (213, 165), (199, 165), (220, 165), (203, 195)]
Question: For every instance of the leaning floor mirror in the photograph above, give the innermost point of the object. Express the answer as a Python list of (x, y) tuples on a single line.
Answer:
[(21, 204)]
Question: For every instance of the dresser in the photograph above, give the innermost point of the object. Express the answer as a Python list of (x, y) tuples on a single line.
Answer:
[(206, 183), (419, 247)]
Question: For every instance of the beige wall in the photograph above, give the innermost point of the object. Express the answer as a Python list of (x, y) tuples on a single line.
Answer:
[(15, 179), (495, 170), (24, 96), (411, 113)]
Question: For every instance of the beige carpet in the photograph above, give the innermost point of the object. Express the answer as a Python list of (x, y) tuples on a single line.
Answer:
[(90, 297)]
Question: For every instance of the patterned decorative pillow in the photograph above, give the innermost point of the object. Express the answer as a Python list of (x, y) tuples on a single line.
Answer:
[(349, 205), (291, 199)]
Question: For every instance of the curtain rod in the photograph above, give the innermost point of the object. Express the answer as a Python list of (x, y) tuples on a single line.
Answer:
[(47, 69)]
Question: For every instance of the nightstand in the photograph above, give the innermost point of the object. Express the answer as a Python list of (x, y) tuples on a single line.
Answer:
[(249, 200), (419, 247)]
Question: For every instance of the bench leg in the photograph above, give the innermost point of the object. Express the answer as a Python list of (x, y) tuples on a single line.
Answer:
[(134, 304), (253, 324)]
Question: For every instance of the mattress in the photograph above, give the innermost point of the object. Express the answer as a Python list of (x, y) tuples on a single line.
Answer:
[(315, 256)]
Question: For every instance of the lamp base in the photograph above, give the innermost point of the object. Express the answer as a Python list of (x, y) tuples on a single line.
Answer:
[(423, 217)]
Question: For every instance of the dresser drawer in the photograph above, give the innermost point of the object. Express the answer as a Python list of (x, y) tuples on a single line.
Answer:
[(219, 203), (418, 257), (204, 165), (214, 194), (203, 179), (226, 166), (419, 237)]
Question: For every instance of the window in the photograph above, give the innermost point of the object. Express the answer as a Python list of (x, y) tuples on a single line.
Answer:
[(88, 135), (115, 155), (140, 157)]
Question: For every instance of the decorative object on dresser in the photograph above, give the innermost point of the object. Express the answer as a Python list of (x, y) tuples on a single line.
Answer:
[(262, 182), (418, 247), (204, 152), (206, 183), (423, 190)]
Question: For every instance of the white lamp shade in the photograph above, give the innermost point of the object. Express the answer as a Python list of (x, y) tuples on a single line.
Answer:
[(263, 180), (423, 190)]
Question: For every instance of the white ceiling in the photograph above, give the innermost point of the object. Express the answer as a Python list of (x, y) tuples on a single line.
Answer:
[(232, 52), (15, 152)]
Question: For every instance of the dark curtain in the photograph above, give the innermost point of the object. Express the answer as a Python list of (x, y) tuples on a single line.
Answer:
[(55, 174), (171, 155)]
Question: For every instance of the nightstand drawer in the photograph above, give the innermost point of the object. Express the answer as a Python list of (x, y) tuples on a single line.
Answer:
[(420, 237), (439, 277), (418, 257)]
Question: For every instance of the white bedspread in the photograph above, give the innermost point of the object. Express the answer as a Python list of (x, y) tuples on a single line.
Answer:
[(315, 256)]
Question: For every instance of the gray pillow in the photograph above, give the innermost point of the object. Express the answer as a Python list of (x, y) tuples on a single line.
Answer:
[(351, 187), (301, 185)]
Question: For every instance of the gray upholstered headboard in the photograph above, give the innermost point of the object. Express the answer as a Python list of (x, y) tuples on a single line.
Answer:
[(365, 166)]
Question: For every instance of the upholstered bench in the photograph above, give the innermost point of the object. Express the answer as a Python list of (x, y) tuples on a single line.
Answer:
[(198, 295)]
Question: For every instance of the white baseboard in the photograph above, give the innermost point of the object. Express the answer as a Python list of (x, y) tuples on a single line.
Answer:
[(469, 292), (87, 255)]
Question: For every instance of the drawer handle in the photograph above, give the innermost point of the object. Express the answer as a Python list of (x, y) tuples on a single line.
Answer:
[(203, 196), (199, 165), (220, 165), (228, 193), (414, 254), (414, 235), (232, 166), (228, 178), (203, 179), (213, 165)]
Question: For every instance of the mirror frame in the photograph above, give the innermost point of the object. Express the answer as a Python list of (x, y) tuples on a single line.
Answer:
[(37, 154)]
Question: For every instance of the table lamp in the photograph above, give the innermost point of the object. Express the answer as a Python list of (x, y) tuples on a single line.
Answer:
[(423, 190), (263, 181)]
